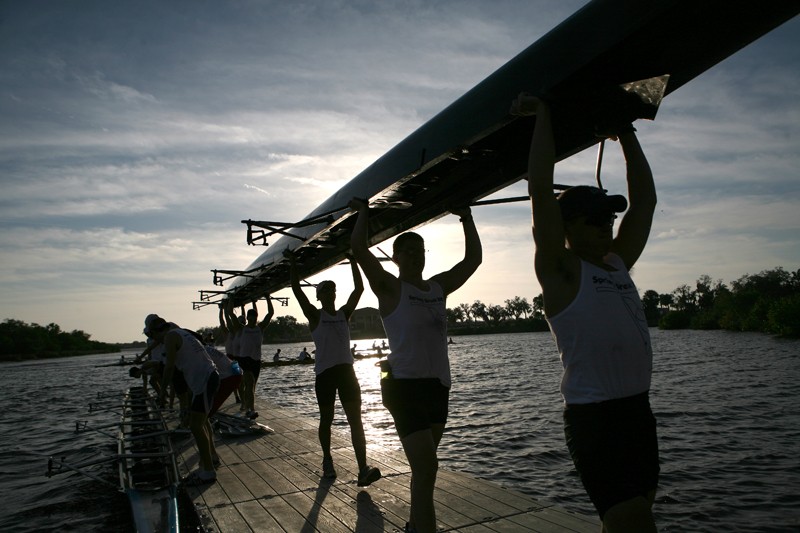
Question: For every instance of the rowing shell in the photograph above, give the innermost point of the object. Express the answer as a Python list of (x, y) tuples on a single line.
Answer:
[(148, 471), (612, 58), (147, 468)]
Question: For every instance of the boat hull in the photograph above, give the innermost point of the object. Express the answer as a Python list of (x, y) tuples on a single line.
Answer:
[(148, 471), (474, 147)]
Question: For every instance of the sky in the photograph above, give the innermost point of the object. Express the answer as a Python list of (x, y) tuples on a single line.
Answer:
[(135, 137)]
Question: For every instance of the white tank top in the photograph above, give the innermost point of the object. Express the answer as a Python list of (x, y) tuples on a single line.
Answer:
[(159, 353), (250, 342), (417, 331), (603, 338), (193, 361), (332, 340), (230, 343)]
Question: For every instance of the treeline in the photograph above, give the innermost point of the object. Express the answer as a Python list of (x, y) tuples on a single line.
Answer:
[(280, 329), (19, 341), (767, 302)]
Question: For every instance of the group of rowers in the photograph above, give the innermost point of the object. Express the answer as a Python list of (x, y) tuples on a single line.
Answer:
[(202, 377), (590, 302)]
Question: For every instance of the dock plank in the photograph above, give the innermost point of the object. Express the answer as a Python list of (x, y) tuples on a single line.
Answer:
[(271, 482)]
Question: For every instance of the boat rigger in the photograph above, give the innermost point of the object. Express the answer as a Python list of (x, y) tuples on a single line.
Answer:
[(611, 60)]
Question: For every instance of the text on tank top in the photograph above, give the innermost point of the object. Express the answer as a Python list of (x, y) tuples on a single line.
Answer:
[(603, 338), (417, 332)]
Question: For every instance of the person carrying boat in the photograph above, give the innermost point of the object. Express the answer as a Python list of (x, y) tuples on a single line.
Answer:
[(597, 320), (187, 354), (251, 336), (333, 367), (416, 388), (230, 343)]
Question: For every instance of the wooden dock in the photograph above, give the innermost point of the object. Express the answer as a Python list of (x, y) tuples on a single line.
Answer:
[(272, 483)]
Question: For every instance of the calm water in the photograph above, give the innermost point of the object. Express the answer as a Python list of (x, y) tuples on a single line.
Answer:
[(726, 404)]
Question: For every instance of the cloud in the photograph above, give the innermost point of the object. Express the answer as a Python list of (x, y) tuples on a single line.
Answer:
[(135, 138), (253, 187), (97, 85)]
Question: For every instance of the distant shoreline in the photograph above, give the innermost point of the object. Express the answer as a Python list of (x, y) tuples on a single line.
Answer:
[(15, 358)]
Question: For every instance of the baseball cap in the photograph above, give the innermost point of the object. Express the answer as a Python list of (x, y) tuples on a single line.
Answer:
[(324, 286), (587, 200)]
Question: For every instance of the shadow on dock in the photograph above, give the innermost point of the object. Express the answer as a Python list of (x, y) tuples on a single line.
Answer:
[(272, 482)]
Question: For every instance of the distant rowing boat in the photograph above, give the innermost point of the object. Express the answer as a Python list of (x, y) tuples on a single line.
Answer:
[(126, 362), (365, 354), (286, 362)]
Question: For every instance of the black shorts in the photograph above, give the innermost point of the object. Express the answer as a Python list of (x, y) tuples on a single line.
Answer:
[(249, 364), (415, 404), (178, 382), (614, 447), (340, 378), (201, 403)]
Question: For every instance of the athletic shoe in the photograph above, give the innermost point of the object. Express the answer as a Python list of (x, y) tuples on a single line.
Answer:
[(252, 415), (368, 476), (328, 472)]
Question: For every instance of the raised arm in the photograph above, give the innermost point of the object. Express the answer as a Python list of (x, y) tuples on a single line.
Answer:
[(548, 229), (634, 229), (270, 311), (234, 326), (473, 255), (383, 284), (358, 289), (309, 310), (556, 267), (222, 325)]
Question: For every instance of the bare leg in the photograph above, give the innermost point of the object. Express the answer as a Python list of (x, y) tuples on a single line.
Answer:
[(324, 430), (353, 412), (210, 433), (248, 392), (240, 389), (420, 448), (183, 405), (631, 515), (198, 423)]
